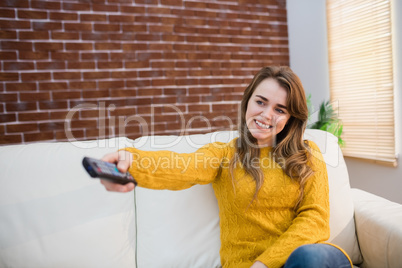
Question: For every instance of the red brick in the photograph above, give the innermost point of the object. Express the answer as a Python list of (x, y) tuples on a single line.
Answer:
[(36, 96), (52, 85), (8, 35), (172, 2), (66, 75), (21, 106), (9, 76), (61, 115), (137, 64), (53, 105), (40, 4), (122, 18), (77, 6), (82, 85), (139, 101), (148, 37), (48, 46), (124, 74), (70, 56), (32, 14), (199, 108), (212, 98), (108, 46), (66, 95), (95, 56), (134, 28), (10, 117), (34, 35), (65, 35), (50, 126), (96, 75), (163, 64), (16, 45), (149, 92), (80, 27), (9, 55), (163, 82), (102, 7), (109, 65), (14, 4), (63, 16), (172, 20), (147, 19), (144, 56), (21, 86), (8, 97), (53, 65), (79, 46), (175, 74), (198, 5), (110, 84), (93, 17), (76, 135), (123, 93), (106, 27), (10, 139), (173, 38), (81, 65), (40, 136), (7, 13), (33, 116), (43, 26), (28, 55)]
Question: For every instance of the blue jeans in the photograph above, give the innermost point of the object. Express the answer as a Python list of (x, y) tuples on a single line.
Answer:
[(317, 256)]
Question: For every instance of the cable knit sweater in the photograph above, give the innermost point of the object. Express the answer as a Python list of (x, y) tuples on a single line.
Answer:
[(267, 229)]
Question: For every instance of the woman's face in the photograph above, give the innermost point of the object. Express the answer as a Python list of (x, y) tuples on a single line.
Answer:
[(266, 113)]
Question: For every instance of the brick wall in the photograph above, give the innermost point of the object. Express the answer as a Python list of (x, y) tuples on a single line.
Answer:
[(102, 68)]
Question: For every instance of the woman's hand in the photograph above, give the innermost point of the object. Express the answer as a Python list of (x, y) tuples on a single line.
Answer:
[(123, 161), (258, 264)]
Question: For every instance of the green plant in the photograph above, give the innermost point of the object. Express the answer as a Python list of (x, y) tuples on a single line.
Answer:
[(327, 120)]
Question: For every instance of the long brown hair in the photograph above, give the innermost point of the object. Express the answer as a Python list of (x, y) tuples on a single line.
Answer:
[(289, 151)]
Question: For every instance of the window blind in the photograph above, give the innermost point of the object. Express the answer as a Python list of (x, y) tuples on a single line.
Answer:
[(361, 76)]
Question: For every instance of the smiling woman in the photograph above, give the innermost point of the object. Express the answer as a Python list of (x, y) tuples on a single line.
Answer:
[(271, 185)]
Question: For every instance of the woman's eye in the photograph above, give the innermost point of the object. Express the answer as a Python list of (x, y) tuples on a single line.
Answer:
[(280, 111), (260, 102)]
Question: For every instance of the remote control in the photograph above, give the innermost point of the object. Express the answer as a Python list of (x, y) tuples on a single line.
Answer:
[(105, 170)]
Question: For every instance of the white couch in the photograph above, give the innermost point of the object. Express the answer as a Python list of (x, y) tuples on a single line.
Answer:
[(52, 214)]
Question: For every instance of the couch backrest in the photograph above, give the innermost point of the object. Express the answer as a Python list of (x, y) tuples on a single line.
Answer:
[(53, 215)]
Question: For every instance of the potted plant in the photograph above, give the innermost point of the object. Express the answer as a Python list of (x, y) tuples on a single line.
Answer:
[(327, 120)]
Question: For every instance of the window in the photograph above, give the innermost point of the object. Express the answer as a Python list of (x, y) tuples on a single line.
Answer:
[(361, 76)]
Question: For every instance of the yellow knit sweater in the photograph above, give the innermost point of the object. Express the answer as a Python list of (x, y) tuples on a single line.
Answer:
[(267, 229)]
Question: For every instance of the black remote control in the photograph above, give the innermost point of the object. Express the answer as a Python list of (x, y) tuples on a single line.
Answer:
[(100, 169)]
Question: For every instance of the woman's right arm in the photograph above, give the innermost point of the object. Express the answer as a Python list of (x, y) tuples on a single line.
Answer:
[(166, 169)]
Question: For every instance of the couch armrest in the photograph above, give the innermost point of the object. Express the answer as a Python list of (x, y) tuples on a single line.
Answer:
[(379, 230)]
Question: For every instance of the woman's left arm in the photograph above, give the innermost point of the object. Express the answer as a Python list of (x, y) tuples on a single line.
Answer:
[(311, 225)]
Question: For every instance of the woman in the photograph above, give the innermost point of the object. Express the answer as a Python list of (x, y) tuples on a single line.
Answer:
[(271, 186)]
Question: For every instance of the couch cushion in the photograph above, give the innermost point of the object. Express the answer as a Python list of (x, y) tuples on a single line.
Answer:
[(54, 215), (178, 229), (341, 204)]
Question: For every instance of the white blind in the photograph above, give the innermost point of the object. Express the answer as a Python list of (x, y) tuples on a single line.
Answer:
[(361, 76)]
